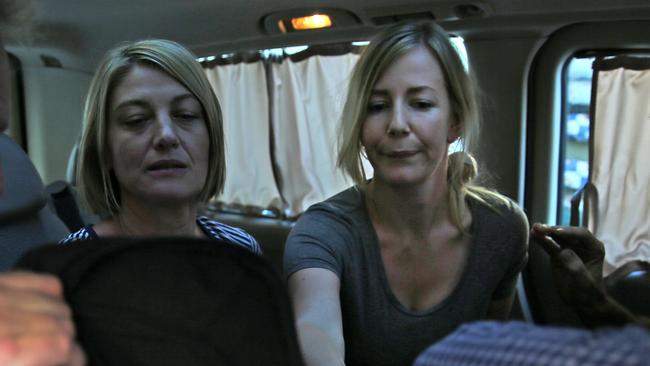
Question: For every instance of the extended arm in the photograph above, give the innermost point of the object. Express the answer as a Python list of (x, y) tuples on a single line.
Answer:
[(315, 296)]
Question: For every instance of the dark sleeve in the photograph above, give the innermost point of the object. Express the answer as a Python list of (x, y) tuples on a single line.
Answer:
[(318, 240), (517, 249)]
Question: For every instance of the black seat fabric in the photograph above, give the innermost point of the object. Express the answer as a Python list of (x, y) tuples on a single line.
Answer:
[(65, 204), (172, 302), (630, 286), (25, 219)]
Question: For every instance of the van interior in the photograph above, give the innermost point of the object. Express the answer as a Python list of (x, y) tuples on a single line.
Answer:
[(533, 61)]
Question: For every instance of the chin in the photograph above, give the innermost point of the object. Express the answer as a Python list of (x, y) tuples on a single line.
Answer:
[(172, 194)]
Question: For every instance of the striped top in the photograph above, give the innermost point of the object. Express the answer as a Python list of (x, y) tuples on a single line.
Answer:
[(212, 229)]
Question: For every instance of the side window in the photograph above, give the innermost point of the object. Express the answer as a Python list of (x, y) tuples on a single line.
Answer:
[(575, 138), (605, 118), (574, 163)]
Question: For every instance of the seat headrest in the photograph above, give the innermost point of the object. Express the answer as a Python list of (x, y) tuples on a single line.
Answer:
[(172, 301), (23, 193)]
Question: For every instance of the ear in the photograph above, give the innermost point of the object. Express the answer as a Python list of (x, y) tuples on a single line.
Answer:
[(454, 131)]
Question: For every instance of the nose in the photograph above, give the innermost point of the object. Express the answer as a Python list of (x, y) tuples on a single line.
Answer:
[(399, 124), (165, 134)]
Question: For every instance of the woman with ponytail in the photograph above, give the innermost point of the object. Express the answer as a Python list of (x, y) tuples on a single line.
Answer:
[(383, 269)]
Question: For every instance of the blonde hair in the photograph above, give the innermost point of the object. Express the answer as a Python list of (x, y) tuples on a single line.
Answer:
[(390, 44), (98, 184)]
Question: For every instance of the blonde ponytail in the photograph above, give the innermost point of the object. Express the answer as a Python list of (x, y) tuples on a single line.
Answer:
[(462, 169)]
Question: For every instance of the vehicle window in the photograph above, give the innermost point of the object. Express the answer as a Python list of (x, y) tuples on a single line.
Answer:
[(575, 138), (459, 43), (574, 167), (462, 51)]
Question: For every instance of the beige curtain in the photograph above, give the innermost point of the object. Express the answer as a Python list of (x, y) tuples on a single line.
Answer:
[(617, 205), (242, 92), (307, 100)]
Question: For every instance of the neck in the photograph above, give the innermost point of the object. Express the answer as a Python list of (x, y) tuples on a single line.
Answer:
[(409, 210), (135, 219)]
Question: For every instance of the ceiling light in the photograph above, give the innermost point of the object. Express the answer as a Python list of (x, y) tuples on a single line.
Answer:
[(315, 21), (308, 19)]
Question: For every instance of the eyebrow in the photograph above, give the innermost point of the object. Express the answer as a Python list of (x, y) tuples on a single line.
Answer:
[(412, 90), (140, 102)]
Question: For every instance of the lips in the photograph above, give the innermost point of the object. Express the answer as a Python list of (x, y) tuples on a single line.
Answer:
[(166, 164), (400, 154)]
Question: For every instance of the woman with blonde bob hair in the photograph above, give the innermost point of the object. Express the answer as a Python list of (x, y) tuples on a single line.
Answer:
[(383, 269), (152, 149)]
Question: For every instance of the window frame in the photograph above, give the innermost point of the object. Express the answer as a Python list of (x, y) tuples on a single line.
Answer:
[(545, 109), (17, 128), (594, 54), (544, 113)]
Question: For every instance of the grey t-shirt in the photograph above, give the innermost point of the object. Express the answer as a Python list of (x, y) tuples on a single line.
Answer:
[(337, 235)]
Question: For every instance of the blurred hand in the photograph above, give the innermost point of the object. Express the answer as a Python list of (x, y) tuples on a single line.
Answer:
[(36, 328), (574, 249), (577, 266)]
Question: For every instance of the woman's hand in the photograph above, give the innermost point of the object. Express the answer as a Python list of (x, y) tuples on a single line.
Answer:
[(36, 327)]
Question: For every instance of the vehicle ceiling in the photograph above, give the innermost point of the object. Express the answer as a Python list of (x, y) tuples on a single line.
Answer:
[(87, 28)]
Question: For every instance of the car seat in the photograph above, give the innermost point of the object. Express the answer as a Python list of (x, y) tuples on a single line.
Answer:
[(25, 219), (630, 286), (172, 301), (63, 200)]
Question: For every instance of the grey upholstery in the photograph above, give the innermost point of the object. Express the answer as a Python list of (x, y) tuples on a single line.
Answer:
[(64, 202), (25, 219)]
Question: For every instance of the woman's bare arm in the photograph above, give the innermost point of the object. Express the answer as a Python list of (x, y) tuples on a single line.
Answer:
[(315, 296)]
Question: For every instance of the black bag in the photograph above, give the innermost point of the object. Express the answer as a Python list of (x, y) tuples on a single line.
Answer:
[(172, 301)]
